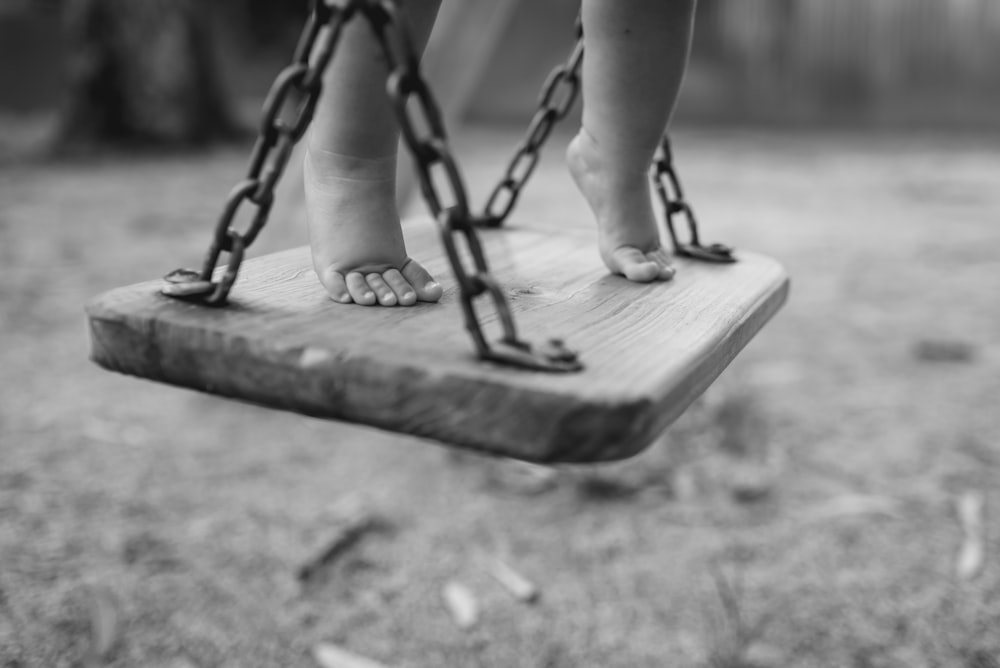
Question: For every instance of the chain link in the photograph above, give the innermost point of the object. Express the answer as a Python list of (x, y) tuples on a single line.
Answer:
[(565, 78), (416, 108), (287, 111), (671, 194), (556, 100)]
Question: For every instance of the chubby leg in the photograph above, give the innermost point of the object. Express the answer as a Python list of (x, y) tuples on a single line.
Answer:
[(350, 175), (636, 53)]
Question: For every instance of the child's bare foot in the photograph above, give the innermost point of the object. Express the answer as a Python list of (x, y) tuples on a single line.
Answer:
[(628, 237), (355, 234)]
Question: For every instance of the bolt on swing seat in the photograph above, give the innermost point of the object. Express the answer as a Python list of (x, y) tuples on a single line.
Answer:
[(646, 351)]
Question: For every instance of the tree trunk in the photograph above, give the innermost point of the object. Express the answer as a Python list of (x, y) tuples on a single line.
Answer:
[(142, 72)]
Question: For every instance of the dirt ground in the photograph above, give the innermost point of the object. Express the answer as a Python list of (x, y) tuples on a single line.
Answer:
[(804, 513)]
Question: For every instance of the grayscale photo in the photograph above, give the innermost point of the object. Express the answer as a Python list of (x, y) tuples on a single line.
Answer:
[(499, 334)]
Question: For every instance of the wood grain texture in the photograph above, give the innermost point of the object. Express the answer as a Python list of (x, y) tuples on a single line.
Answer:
[(649, 350)]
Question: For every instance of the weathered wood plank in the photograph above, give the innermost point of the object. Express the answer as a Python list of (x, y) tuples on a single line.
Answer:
[(649, 350)]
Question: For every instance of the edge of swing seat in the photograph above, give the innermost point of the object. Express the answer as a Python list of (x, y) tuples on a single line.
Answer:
[(648, 350)]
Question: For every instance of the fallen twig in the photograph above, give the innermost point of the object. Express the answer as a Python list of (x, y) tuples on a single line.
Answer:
[(734, 633), (519, 586), (971, 507), (105, 627), (520, 477), (328, 655), (461, 603), (851, 505), (354, 519)]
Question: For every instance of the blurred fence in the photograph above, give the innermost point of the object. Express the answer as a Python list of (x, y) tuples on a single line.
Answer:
[(886, 62), (876, 59)]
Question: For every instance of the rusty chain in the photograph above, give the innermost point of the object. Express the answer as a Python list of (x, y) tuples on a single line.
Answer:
[(429, 150), (558, 95), (296, 90), (668, 187), (550, 110), (288, 109)]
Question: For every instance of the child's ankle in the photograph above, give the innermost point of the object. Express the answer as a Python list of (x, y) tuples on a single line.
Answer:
[(615, 164), (327, 164)]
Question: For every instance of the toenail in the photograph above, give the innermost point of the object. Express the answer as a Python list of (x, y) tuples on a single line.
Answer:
[(369, 295), (408, 295), (432, 285)]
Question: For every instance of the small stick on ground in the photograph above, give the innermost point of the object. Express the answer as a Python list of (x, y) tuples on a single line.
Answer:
[(328, 655), (105, 627), (354, 520), (461, 604), (854, 505), (971, 507), (516, 584)]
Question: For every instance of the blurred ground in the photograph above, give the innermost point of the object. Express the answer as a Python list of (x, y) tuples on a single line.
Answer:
[(814, 487)]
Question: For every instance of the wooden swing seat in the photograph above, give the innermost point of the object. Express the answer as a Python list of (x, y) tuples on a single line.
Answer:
[(648, 350)]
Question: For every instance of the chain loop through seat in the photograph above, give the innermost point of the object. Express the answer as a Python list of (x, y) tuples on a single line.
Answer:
[(288, 110)]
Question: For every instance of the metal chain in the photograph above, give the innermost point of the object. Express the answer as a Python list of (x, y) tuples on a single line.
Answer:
[(668, 187), (297, 89), (288, 109), (526, 156), (556, 100), (416, 108)]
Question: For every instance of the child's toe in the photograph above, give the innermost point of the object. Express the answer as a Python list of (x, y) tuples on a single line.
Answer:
[(359, 289), (405, 294), (642, 272), (383, 293), (335, 286), (633, 264), (665, 271), (427, 289)]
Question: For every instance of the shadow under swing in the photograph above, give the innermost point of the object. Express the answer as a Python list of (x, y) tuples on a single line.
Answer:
[(645, 351)]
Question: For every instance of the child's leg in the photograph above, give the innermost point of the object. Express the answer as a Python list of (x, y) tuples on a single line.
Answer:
[(350, 176), (636, 52)]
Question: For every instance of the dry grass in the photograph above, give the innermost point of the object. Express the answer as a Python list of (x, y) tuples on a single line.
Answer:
[(800, 515)]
